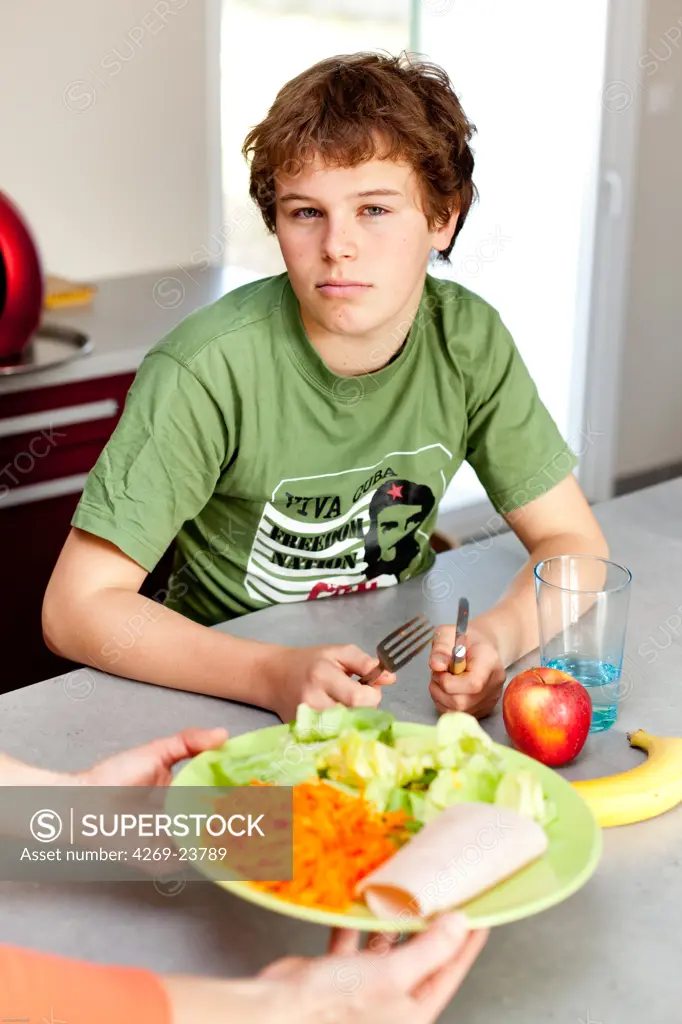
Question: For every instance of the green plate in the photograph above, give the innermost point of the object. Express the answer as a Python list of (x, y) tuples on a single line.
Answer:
[(572, 856)]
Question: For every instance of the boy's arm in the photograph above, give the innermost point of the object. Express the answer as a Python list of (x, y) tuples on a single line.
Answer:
[(558, 522), (93, 614), (526, 468)]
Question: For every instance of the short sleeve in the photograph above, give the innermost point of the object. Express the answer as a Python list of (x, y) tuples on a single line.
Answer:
[(513, 443), (42, 987), (161, 464)]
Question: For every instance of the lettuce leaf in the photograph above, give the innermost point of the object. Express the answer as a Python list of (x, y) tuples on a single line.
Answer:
[(476, 780), (285, 766), (458, 737), (522, 791), (286, 763), (413, 804), (445, 790), (312, 726), (422, 774), (416, 754), (480, 777), (367, 720), (356, 759), (379, 791)]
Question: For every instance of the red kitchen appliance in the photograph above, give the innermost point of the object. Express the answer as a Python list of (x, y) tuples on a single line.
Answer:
[(26, 343), (21, 282)]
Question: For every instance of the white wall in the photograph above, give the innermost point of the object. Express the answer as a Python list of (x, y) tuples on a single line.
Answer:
[(109, 129), (650, 419)]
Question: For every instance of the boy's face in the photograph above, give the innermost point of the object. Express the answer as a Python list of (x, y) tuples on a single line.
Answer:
[(356, 245)]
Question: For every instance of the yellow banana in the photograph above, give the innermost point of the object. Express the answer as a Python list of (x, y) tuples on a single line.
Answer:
[(643, 792)]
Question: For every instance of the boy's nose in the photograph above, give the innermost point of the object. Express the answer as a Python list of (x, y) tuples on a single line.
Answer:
[(338, 242)]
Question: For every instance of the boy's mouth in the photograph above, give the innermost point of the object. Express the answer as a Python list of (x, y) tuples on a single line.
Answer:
[(344, 289)]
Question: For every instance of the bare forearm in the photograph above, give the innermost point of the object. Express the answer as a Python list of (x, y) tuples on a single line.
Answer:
[(16, 773), (512, 622), (127, 634), (207, 999), (13, 817), (258, 1000)]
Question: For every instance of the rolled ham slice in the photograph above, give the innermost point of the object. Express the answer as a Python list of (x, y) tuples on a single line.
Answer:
[(466, 850)]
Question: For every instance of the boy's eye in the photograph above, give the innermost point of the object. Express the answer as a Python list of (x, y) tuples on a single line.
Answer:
[(310, 213), (305, 212)]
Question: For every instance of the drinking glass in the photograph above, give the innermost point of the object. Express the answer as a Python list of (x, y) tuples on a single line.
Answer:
[(582, 604)]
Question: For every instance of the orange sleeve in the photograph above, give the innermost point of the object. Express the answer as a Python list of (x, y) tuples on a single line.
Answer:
[(38, 987)]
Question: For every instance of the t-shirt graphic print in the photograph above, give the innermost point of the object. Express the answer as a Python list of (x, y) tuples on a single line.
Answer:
[(348, 531)]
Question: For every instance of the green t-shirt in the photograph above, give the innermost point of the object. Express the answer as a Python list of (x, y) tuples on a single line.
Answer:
[(279, 480)]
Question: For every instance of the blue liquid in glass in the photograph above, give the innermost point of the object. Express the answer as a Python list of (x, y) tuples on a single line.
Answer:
[(602, 681)]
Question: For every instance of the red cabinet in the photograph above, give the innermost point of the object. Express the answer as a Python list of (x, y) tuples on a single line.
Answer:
[(49, 439)]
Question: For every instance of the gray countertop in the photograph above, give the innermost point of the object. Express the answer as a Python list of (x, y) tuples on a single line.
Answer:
[(126, 317), (608, 954)]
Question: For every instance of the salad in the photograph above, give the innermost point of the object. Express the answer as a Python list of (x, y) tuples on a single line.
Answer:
[(356, 751)]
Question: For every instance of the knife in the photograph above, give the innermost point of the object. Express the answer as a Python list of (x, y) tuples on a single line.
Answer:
[(458, 661)]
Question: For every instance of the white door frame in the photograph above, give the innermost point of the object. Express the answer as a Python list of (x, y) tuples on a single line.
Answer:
[(599, 378)]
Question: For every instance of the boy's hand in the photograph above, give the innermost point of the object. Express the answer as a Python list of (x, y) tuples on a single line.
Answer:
[(321, 677), (477, 689)]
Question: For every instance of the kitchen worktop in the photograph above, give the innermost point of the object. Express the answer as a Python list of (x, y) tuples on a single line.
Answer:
[(607, 955), (126, 317)]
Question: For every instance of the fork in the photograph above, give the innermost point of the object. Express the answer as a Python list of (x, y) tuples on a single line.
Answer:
[(396, 649)]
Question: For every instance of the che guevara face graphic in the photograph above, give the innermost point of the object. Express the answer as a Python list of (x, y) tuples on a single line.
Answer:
[(396, 511)]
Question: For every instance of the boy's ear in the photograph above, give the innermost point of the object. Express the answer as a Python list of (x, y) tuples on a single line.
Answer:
[(443, 234)]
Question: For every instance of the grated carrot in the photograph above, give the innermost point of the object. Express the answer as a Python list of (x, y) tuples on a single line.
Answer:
[(338, 840)]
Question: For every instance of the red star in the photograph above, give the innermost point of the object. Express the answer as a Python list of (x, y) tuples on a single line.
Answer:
[(395, 491)]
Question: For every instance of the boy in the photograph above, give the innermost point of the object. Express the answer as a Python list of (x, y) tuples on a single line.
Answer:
[(294, 438)]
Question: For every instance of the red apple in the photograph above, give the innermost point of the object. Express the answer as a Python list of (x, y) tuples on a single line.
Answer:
[(547, 714)]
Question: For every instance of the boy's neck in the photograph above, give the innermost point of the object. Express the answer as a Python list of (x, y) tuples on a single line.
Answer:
[(350, 355)]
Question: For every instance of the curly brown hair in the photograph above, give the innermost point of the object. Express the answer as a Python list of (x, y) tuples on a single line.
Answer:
[(353, 107)]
